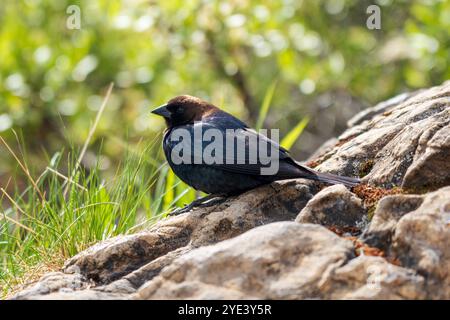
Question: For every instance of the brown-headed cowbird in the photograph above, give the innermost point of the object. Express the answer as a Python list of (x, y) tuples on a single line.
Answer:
[(233, 170)]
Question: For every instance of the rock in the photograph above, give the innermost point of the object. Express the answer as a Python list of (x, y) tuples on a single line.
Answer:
[(416, 230), (135, 279), (87, 294), (116, 257), (422, 242), (373, 278), (326, 147), (250, 247), (431, 165), (53, 282), (388, 212), (401, 146), (380, 108), (334, 206), (282, 260)]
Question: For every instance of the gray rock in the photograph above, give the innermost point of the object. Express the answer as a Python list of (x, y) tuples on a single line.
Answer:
[(388, 212), (422, 242), (129, 261), (334, 206), (380, 108), (431, 164), (415, 229), (326, 147), (373, 278), (112, 259), (53, 282), (402, 146), (283, 260)]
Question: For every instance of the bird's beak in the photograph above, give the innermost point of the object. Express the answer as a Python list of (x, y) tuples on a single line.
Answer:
[(162, 111)]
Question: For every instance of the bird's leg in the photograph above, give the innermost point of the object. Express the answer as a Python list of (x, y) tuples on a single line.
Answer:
[(208, 201)]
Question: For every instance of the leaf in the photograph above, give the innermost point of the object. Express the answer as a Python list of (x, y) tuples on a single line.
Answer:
[(266, 105), (293, 135), (170, 189)]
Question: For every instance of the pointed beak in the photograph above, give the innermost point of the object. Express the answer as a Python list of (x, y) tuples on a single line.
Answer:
[(162, 111)]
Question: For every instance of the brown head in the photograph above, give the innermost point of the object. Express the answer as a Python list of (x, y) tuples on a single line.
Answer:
[(184, 110)]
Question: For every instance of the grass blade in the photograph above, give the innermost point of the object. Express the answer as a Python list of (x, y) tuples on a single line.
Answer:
[(266, 105), (289, 140)]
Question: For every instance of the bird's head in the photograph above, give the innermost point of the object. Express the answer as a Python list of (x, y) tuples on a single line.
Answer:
[(184, 110)]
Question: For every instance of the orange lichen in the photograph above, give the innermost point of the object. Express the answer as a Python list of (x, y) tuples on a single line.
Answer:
[(344, 141), (371, 194), (313, 163), (341, 231), (362, 248)]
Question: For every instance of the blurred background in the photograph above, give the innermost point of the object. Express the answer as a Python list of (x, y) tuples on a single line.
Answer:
[(323, 60)]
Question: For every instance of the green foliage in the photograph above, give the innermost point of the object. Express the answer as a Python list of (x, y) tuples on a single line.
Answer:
[(229, 52)]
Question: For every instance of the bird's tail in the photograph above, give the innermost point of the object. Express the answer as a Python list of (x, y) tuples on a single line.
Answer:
[(328, 177), (335, 179)]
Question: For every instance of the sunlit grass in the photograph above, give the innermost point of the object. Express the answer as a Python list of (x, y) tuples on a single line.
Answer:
[(40, 224)]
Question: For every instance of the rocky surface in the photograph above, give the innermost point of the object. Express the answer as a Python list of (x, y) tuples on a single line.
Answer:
[(276, 261), (334, 206), (296, 239), (421, 241), (141, 256), (405, 144)]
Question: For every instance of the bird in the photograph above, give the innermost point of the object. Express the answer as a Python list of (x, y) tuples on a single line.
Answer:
[(186, 115)]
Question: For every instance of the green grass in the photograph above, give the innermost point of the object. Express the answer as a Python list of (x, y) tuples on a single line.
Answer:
[(66, 208), (40, 227)]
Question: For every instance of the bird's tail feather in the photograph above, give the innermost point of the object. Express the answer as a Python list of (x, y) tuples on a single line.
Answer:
[(335, 179), (327, 177)]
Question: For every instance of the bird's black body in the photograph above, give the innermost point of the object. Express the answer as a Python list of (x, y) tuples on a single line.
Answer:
[(212, 179), (187, 112)]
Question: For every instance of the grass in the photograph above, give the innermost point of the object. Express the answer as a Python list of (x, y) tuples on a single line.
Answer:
[(57, 215), (41, 227)]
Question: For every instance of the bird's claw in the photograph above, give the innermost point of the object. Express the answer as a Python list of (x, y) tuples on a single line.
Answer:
[(179, 211), (205, 202)]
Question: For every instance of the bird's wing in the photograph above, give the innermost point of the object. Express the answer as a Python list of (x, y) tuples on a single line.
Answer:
[(249, 153)]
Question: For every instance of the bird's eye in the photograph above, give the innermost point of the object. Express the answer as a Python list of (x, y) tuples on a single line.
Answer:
[(175, 109)]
